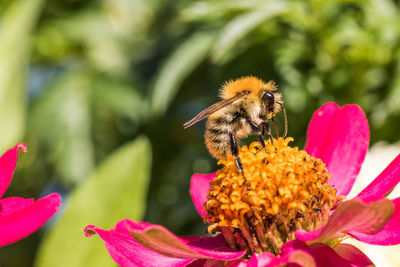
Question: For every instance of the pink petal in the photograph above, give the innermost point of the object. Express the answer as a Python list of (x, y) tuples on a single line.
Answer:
[(264, 259), (325, 256), (197, 263), (351, 215), (297, 252), (127, 252), (213, 243), (293, 253), (318, 127), (13, 204), (207, 263), (339, 137), (353, 255), (208, 242), (23, 222), (238, 263), (189, 238), (159, 239), (212, 263), (199, 187), (384, 183), (7, 166), (388, 235)]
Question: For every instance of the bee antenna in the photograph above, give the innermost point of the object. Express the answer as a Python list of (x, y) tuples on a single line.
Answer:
[(285, 119)]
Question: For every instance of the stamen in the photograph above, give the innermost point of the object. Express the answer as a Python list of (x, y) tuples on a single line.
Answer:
[(285, 190)]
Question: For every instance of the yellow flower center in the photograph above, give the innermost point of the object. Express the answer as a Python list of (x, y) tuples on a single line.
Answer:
[(283, 189)]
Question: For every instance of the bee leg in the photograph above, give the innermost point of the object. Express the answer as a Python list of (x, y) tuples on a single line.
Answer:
[(259, 130), (267, 129), (261, 137), (235, 152), (261, 140)]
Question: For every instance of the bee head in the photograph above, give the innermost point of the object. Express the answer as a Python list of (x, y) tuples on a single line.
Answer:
[(271, 102)]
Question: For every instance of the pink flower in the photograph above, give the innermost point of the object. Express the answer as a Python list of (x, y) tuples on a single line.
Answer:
[(338, 136), (21, 217)]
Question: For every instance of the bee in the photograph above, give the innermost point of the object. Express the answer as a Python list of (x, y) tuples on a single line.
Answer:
[(246, 106)]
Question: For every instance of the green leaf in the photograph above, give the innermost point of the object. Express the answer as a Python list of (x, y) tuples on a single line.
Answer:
[(16, 29), (211, 11), (121, 97), (393, 99), (66, 131), (117, 190), (178, 66), (244, 24)]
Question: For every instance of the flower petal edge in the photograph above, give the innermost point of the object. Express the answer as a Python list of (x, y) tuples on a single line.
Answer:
[(340, 137), (8, 161), (351, 215), (23, 222), (388, 235), (199, 187)]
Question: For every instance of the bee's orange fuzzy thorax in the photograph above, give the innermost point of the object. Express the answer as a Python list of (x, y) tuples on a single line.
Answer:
[(234, 87)]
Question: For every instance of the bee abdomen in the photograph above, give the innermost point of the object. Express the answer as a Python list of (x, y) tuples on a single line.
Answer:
[(217, 137)]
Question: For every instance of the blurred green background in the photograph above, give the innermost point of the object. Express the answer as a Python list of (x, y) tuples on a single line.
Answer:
[(99, 90)]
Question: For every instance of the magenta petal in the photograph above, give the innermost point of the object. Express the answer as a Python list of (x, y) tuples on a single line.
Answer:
[(293, 253), (353, 255), (238, 263), (384, 183), (199, 187), (208, 242), (389, 234), (213, 263), (127, 226), (127, 252), (325, 256), (297, 252), (339, 137), (13, 204), (318, 127), (207, 263), (265, 259), (7, 166), (24, 222), (352, 215), (159, 239), (300, 254)]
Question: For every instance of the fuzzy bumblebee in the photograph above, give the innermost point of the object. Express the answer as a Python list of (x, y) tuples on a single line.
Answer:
[(247, 105)]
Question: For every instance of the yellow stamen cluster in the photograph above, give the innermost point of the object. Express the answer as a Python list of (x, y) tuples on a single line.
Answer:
[(282, 189)]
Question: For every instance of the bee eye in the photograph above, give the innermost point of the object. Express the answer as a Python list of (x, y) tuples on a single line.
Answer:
[(269, 101)]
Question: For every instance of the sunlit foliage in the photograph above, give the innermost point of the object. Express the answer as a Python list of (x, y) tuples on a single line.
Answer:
[(102, 73)]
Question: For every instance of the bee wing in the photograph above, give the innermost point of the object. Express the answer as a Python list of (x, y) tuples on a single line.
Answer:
[(214, 108)]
